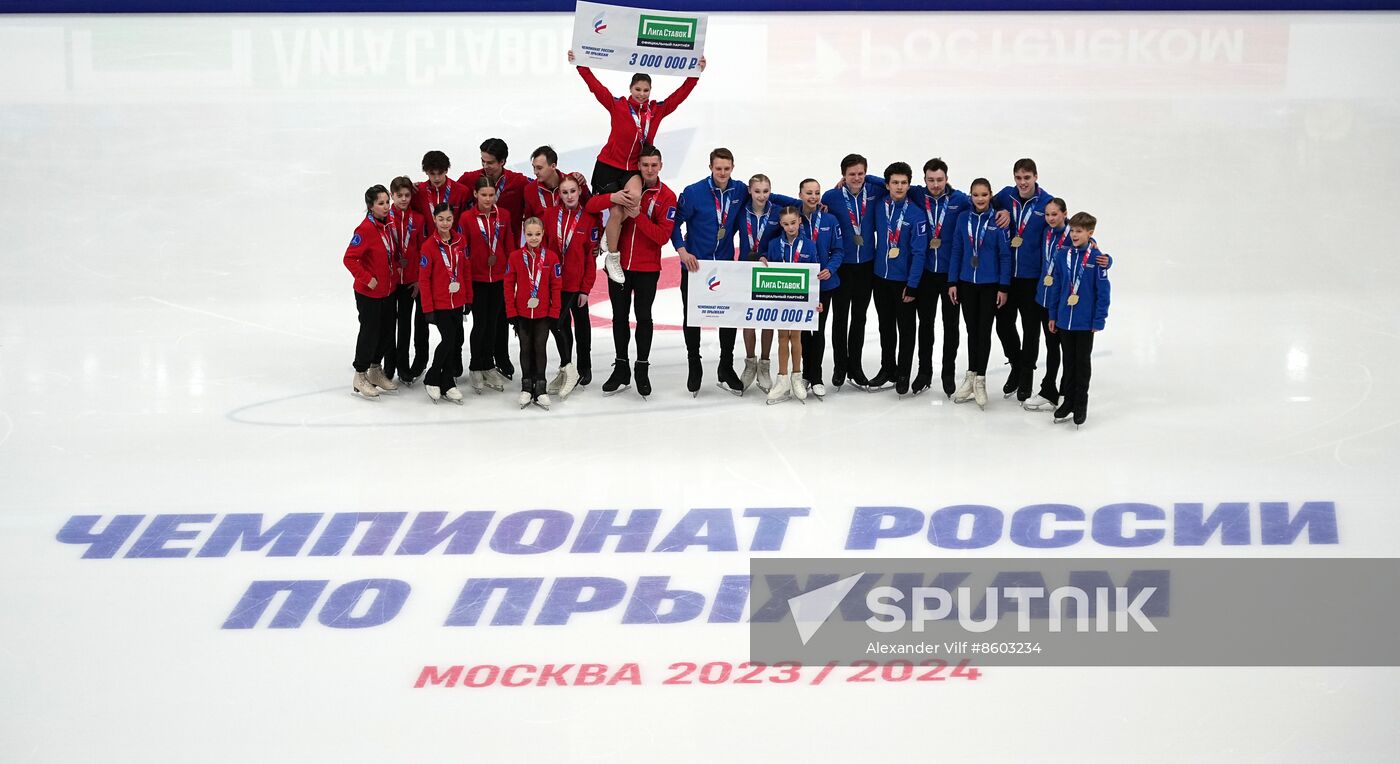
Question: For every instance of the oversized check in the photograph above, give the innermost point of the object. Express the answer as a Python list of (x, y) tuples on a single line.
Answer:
[(638, 40), (751, 295)]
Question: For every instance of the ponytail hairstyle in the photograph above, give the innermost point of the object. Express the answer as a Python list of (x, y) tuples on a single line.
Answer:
[(639, 77), (1058, 202), (441, 208), (483, 182), (760, 177), (980, 182), (373, 193), (789, 210)]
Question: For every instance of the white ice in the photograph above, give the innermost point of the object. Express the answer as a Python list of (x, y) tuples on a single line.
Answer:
[(176, 329)]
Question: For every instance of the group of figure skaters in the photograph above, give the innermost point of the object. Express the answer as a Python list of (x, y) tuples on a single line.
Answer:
[(503, 250)]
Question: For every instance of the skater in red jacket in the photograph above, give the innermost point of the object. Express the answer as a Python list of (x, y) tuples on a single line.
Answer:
[(636, 120), (490, 234), (370, 259), (573, 232), (445, 288), (533, 280)]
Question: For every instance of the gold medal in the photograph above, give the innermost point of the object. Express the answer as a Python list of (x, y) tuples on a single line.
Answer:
[(1016, 241), (894, 252), (532, 303), (935, 243), (719, 235), (1049, 280), (1073, 299), (974, 262), (860, 241)]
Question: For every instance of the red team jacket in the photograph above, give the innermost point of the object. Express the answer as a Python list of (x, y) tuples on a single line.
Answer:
[(519, 282), (510, 193), (645, 235), (625, 138), (481, 250), (580, 263), (425, 198), (370, 255), (438, 262), (538, 198), (406, 229)]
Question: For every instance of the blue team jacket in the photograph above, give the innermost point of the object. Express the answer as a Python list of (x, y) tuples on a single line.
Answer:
[(1050, 243), (859, 208), (695, 210), (764, 227), (828, 241), (942, 214), (910, 230), (993, 256), (1024, 259), (1073, 268), (801, 250)]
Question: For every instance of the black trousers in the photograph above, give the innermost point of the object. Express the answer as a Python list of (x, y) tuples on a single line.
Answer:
[(979, 307), (692, 333), (489, 309), (574, 327), (534, 340), (1077, 347), (447, 360), (501, 354), (412, 330), (637, 291), (850, 306), (1048, 387), (814, 343), (1023, 349), (897, 327), (933, 290), (376, 334)]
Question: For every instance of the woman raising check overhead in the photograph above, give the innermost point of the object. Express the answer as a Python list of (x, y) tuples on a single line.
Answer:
[(636, 119)]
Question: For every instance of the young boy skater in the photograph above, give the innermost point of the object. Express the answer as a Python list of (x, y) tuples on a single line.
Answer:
[(1078, 304)]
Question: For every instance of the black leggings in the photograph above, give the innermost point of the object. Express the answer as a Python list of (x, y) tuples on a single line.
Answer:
[(574, 321), (692, 333), (488, 308), (1023, 349), (1078, 348), (933, 290), (412, 329), (1049, 389), (979, 307), (850, 305), (534, 339), (447, 360), (896, 319), (637, 290), (814, 343), (376, 334)]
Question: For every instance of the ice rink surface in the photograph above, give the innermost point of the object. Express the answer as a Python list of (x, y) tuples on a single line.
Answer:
[(176, 329)]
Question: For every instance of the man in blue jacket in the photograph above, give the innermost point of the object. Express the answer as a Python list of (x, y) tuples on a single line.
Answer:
[(1021, 209), (942, 204), (854, 204), (709, 211)]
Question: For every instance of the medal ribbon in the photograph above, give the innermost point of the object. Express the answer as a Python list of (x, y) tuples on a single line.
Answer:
[(386, 238), (495, 238), (721, 213), (1023, 220), (812, 225), (534, 275), (1079, 272), (643, 126), (856, 218), (892, 231), (566, 235), (936, 222), (976, 240), (1052, 244), (762, 225), (449, 260)]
